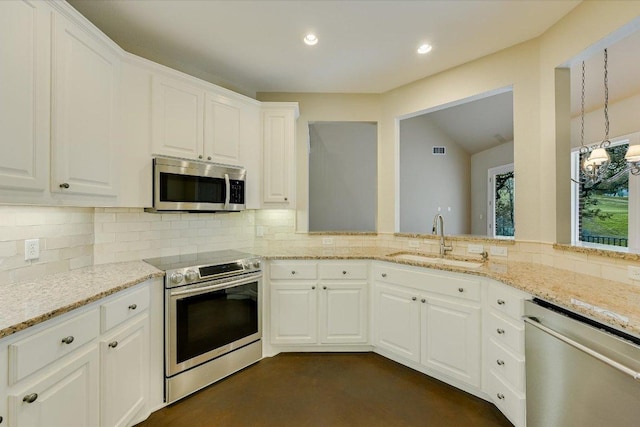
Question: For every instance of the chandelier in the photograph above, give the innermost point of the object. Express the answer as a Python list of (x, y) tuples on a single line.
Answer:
[(595, 167)]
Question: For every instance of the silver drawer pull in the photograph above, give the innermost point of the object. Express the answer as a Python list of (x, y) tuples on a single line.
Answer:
[(500, 331), (413, 298), (344, 271), (423, 300), (460, 289), (293, 272), (113, 344), (313, 287), (68, 340), (133, 306), (30, 398), (500, 362), (384, 274), (64, 185), (324, 287), (500, 396), (501, 302)]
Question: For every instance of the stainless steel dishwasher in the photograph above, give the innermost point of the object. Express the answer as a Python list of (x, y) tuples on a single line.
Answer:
[(579, 372)]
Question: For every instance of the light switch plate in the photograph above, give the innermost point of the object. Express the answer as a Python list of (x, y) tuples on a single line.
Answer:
[(259, 231), (498, 250), (327, 240), (31, 249)]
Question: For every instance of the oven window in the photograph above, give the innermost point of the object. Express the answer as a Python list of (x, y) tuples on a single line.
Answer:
[(209, 321), (191, 189)]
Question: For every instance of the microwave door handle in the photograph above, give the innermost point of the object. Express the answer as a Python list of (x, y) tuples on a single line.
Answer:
[(227, 185)]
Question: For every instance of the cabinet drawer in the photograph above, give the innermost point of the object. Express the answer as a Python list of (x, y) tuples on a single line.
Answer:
[(293, 270), (507, 301), (511, 403), (506, 332), (506, 364), (445, 284), (343, 271), (123, 308), (32, 353)]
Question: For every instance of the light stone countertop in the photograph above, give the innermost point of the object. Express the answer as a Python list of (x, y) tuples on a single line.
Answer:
[(31, 302), (551, 284)]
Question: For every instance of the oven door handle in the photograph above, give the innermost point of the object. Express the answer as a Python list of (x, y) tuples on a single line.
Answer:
[(207, 288), (227, 185)]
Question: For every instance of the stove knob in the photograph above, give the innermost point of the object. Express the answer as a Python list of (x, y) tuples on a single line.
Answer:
[(191, 275), (176, 278), (256, 264)]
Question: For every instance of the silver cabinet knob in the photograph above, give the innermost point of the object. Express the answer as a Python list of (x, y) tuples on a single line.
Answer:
[(501, 302), (286, 198), (30, 398), (500, 331), (324, 287), (208, 157), (113, 344), (460, 289), (313, 287), (293, 272), (423, 300), (413, 298), (500, 362), (200, 156), (344, 271), (133, 306), (384, 274), (500, 396), (68, 340), (1, 419), (64, 185)]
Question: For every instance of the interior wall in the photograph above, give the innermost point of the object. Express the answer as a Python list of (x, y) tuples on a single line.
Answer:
[(480, 164), (323, 107), (432, 184), (342, 176)]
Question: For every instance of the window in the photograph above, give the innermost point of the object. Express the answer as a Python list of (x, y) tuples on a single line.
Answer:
[(500, 221), (600, 214)]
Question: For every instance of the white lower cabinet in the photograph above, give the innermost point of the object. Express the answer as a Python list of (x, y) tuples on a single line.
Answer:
[(124, 378), (416, 323), (318, 303), (66, 395), (64, 373)]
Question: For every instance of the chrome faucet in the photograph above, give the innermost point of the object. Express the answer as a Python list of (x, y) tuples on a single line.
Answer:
[(438, 220)]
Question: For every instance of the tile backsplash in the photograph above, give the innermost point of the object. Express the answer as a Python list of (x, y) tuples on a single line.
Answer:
[(66, 240)]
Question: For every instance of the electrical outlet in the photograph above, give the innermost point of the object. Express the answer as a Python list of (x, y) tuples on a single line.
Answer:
[(414, 244), (475, 249), (634, 273), (259, 231), (498, 250), (327, 240), (31, 249)]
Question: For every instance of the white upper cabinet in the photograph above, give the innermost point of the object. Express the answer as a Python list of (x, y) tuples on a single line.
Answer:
[(222, 129), (177, 118), (278, 140), (24, 95), (84, 107)]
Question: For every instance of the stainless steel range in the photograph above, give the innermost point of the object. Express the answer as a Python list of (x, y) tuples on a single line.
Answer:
[(212, 317)]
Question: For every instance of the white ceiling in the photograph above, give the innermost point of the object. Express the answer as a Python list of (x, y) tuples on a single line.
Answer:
[(365, 46)]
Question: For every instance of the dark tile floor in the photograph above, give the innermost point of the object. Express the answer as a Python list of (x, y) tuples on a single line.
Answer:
[(328, 389)]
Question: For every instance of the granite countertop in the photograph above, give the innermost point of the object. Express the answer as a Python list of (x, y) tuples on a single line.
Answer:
[(561, 287), (35, 301), (31, 302)]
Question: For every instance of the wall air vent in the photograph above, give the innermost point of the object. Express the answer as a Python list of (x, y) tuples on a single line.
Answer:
[(439, 151)]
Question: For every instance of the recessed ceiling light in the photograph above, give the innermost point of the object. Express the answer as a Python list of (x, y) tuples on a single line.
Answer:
[(310, 39), (425, 48)]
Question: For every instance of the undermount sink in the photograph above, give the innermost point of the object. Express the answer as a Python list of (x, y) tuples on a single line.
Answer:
[(434, 260)]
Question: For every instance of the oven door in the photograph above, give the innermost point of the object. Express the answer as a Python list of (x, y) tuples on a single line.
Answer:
[(209, 319), (181, 185)]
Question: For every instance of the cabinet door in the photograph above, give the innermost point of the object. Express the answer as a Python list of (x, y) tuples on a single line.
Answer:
[(65, 396), (124, 380), (177, 118), (343, 313), (397, 321), (85, 87), (24, 95), (222, 130), (294, 313), (278, 151), (451, 339)]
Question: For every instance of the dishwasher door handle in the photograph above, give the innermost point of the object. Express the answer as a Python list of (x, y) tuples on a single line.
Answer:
[(601, 357)]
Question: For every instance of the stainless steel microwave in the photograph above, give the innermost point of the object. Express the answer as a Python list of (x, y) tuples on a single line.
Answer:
[(181, 185)]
